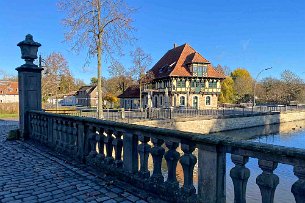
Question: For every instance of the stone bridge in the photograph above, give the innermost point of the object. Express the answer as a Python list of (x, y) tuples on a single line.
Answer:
[(121, 151), (32, 173)]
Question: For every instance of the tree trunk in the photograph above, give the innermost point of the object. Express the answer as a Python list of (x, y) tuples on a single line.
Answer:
[(99, 65)]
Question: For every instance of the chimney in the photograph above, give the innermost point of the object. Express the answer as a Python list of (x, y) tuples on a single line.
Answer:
[(175, 45)]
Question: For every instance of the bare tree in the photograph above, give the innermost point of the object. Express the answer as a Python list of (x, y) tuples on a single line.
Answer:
[(56, 77), (223, 69), (6, 76), (101, 26), (120, 78), (292, 86), (141, 61)]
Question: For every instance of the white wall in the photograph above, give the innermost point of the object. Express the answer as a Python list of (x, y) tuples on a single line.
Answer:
[(9, 98)]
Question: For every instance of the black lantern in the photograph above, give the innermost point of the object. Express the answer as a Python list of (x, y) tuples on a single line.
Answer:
[(29, 49)]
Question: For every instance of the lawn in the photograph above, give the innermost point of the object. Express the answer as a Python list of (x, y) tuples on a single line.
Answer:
[(10, 116)]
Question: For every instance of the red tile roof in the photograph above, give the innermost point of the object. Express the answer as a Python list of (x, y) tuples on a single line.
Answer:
[(131, 92), (175, 61), (8, 88)]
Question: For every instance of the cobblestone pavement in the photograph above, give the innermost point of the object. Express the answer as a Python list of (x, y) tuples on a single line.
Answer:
[(32, 175)]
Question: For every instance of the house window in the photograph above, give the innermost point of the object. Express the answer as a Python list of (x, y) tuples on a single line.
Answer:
[(181, 83), (125, 104), (182, 101), (213, 84), (193, 83), (208, 101)]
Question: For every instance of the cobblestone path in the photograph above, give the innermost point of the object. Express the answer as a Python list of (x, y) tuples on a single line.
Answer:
[(32, 175)]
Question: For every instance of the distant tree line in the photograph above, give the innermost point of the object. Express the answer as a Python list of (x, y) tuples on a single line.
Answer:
[(239, 85)]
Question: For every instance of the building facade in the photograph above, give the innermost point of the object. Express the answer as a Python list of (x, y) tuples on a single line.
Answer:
[(87, 96), (182, 78), (130, 99), (9, 92)]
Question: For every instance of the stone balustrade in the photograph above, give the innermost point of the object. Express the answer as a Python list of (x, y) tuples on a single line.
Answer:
[(123, 150)]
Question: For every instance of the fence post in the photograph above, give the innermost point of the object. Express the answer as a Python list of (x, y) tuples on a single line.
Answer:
[(29, 83), (122, 113)]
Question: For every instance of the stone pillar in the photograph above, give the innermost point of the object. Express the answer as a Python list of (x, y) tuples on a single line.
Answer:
[(29, 83), (211, 173)]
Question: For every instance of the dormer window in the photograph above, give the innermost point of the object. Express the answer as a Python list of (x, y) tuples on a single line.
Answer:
[(163, 69), (199, 69)]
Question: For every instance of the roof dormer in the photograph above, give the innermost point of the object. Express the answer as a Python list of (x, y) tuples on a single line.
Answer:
[(198, 69)]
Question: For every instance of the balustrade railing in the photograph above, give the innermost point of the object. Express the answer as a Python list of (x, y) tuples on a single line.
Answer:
[(123, 150)]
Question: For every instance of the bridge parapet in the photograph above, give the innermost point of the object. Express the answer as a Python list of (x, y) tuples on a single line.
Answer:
[(123, 150)]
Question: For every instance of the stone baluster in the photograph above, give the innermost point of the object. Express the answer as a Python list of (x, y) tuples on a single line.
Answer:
[(38, 129), (73, 138), (45, 130), (240, 175), (81, 141), (172, 157), (109, 147), (267, 181), (49, 131), (60, 137), (41, 129), (68, 136), (31, 129), (157, 153), (143, 150), (92, 142), (188, 161), (118, 146), (34, 131), (55, 133), (64, 135), (100, 144), (298, 188)]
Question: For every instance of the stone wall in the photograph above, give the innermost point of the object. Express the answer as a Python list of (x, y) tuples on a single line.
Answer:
[(198, 125)]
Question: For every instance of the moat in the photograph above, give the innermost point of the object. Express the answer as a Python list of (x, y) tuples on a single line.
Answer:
[(287, 134)]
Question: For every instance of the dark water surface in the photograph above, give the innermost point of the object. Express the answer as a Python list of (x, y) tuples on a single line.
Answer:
[(289, 134)]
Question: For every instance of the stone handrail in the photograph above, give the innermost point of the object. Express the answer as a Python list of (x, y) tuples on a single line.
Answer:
[(123, 150)]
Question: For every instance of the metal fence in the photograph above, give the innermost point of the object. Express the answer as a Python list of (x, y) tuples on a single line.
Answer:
[(129, 115)]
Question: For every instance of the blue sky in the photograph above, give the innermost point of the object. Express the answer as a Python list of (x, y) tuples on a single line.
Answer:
[(250, 34)]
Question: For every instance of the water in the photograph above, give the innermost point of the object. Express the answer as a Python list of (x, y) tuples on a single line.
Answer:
[(289, 134)]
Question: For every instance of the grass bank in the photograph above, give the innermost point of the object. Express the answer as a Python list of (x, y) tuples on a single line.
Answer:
[(9, 116)]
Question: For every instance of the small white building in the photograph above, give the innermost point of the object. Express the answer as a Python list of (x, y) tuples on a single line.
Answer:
[(9, 92)]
